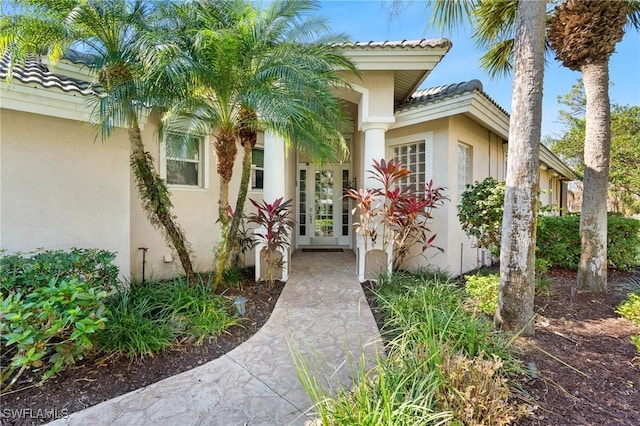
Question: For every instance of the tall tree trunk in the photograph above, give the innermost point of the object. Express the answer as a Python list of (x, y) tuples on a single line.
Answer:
[(226, 150), (248, 137), (232, 241), (517, 255), (592, 268), (155, 198)]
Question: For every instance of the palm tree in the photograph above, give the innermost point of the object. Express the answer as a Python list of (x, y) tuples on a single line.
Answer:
[(583, 34), (109, 34), (239, 69), (517, 255)]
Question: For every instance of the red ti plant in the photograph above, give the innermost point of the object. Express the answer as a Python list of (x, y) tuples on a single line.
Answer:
[(396, 211), (275, 219)]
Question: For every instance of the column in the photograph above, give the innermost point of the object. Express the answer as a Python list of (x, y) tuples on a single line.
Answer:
[(374, 148), (274, 166), (274, 188)]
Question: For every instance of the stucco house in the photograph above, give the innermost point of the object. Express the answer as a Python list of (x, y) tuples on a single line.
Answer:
[(62, 187)]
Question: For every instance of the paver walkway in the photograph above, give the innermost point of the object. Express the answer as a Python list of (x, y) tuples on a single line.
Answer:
[(322, 310)]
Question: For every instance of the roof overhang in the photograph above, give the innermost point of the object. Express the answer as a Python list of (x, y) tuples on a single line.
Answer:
[(474, 105), (479, 107), (410, 60)]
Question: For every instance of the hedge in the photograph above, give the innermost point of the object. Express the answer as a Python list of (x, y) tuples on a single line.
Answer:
[(558, 241)]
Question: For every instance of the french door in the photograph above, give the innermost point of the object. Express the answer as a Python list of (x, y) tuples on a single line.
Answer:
[(324, 217)]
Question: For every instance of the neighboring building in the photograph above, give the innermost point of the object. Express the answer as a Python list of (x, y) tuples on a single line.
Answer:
[(62, 187)]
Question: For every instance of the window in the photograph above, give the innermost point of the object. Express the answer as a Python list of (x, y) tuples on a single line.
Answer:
[(184, 161), (257, 168), (464, 168), (412, 156)]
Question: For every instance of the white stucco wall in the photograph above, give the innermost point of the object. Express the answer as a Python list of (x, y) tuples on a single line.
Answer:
[(460, 255), (197, 213), (62, 188)]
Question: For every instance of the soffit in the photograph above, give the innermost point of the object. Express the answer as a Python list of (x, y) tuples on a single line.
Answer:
[(410, 60)]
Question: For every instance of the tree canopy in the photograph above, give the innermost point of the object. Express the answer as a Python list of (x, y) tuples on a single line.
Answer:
[(624, 179)]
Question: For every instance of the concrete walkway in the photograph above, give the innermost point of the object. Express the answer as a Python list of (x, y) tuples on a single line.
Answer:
[(322, 311)]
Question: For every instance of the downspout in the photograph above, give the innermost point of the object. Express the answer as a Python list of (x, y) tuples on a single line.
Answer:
[(489, 137)]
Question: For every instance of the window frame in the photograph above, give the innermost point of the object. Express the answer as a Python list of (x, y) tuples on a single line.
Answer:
[(254, 168), (427, 139), (203, 170), (469, 169)]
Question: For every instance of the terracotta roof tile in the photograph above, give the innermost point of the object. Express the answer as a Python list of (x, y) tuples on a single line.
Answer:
[(402, 44), (34, 71), (438, 93)]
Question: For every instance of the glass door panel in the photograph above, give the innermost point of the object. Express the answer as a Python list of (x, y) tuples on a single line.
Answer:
[(323, 220), (324, 217)]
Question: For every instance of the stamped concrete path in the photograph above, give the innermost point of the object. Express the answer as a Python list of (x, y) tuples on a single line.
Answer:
[(322, 311)]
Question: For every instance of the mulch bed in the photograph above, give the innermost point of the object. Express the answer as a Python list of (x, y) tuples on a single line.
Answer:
[(96, 379), (592, 376)]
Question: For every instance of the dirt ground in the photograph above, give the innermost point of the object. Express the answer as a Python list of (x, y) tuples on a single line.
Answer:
[(95, 379), (585, 370)]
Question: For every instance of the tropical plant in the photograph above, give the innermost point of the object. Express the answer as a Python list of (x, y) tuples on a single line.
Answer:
[(274, 230), (396, 213), (583, 35), (238, 69), (111, 36), (443, 364), (480, 213), (630, 308), (53, 303), (147, 318)]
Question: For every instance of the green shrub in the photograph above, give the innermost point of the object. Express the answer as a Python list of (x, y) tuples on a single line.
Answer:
[(558, 241), (480, 212), (623, 242), (53, 303), (630, 308), (483, 291), (26, 271)]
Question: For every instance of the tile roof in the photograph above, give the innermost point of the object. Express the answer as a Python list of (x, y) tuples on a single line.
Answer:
[(403, 44), (34, 71), (433, 94)]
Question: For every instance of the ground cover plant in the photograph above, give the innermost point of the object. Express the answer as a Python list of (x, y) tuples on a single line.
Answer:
[(630, 308), (146, 318), (443, 364), (99, 375), (59, 307), (53, 303)]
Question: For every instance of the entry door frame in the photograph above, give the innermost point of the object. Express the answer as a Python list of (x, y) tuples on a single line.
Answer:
[(306, 208)]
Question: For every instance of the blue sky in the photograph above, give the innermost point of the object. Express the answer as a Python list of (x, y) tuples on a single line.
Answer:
[(369, 20)]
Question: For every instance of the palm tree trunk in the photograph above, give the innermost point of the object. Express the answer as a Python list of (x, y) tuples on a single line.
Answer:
[(226, 149), (592, 268), (517, 254), (155, 198), (232, 240)]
